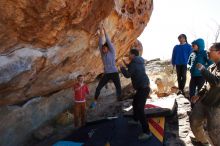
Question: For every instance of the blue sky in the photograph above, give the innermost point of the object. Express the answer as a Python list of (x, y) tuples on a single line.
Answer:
[(195, 18)]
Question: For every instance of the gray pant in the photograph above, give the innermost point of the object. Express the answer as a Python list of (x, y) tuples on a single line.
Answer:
[(197, 119), (213, 123)]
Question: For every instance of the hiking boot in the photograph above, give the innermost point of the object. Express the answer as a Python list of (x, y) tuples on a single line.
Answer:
[(93, 105), (144, 136), (133, 122)]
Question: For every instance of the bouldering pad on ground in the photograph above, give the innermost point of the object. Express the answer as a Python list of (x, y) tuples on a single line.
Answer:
[(67, 143), (116, 132), (156, 107)]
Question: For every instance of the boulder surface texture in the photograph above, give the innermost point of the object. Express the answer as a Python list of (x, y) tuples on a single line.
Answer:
[(45, 44)]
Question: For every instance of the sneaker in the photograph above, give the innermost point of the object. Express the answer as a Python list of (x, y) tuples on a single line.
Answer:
[(206, 144), (144, 136), (119, 98), (194, 140), (93, 105), (133, 122), (179, 92)]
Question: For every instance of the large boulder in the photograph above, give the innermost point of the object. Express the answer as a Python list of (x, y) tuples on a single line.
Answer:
[(45, 44), (18, 123)]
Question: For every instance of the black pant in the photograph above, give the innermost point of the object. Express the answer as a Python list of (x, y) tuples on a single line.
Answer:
[(139, 101), (181, 76), (104, 80), (195, 82)]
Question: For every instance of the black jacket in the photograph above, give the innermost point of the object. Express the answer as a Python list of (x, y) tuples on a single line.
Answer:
[(136, 71), (210, 92)]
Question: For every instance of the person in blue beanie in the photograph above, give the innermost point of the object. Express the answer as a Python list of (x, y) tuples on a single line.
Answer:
[(199, 55), (180, 58)]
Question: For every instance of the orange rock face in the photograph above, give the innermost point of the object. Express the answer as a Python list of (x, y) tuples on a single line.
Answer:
[(45, 44)]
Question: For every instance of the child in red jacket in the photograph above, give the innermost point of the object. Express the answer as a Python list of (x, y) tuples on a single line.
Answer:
[(80, 92)]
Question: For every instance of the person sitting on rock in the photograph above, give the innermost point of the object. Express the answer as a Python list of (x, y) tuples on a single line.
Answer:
[(80, 92), (199, 55), (141, 83), (110, 70), (205, 109)]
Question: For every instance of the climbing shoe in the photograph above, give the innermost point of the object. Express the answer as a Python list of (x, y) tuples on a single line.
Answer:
[(206, 144), (93, 105), (133, 122), (144, 136)]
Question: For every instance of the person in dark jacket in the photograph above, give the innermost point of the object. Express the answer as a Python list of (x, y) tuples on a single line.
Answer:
[(107, 51), (207, 105), (180, 58), (140, 81), (199, 55)]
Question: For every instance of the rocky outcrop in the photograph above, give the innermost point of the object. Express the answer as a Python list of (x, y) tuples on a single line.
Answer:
[(22, 122), (45, 44), (17, 123)]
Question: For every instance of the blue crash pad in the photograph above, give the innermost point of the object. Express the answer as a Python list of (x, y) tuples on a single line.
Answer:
[(67, 143)]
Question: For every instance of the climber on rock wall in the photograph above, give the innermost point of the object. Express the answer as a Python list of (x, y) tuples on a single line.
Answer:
[(108, 54)]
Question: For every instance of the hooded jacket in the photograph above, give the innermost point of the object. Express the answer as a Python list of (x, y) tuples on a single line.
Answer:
[(199, 56), (136, 71)]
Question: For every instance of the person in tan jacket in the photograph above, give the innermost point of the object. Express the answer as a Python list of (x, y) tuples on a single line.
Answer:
[(207, 103)]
